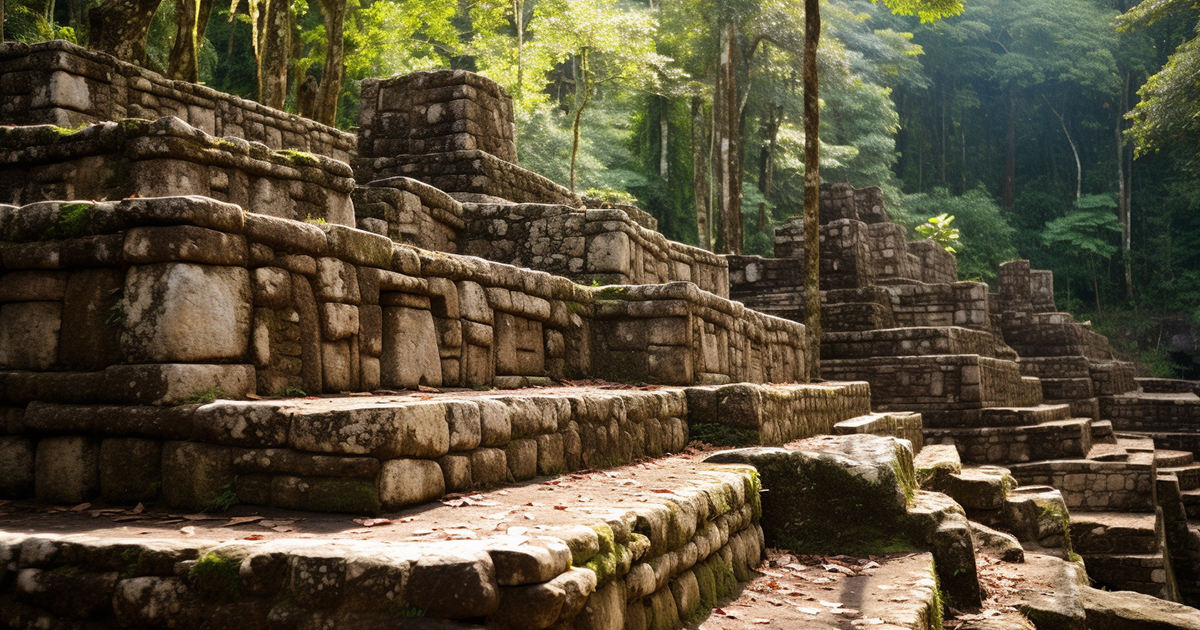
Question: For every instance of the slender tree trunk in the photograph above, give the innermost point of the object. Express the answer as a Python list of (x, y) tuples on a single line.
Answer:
[(700, 173), (334, 12), (1074, 150), (1095, 284), (191, 23), (812, 187), (575, 124), (277, 47), (519, 18), (1123, 209), (120, 27), (1010, 158), (2, 3), (726, 163), (664, 130), (583, 94)]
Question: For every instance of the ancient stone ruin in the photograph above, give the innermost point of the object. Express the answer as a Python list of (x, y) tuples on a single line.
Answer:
[(207, 304)]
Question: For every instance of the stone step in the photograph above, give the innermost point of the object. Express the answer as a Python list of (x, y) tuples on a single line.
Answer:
[(364, 454), (1102, 432), (1108, 453), (1135, 443), (896, 592), (573, 550), (1018, 416), (1189, 475), (1113, 533), (944, 388), (1152, 412), (902, 424), (1140, 573), (1057, 439), (1166, 458), (911, 341), (1093, 486), (1191, 502)]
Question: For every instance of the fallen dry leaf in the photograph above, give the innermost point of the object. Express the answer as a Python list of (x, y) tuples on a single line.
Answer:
[(373, 522), (242, 520), (81, 507)]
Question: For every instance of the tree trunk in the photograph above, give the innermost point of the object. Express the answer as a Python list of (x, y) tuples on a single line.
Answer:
[(700, 173), (519, 19), (190, 25), (725, 163), (1095, 284), (575, 124), (583, 95), (1074, 150), (1010, 158), (120, 27), (334, 12), (766, 157), (812, 188), (277, 47), (2, 3), (1123, 209), (664, 130)]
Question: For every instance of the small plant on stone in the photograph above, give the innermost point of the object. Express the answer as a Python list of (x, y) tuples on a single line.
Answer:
[(314, 220), (940, 232), (116, 313), (204, 397), (291, 391), (216, 577), (222, 502)]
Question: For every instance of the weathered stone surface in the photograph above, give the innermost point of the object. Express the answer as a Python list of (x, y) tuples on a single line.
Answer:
[(71, 594), (405, 482), (1000, 544), (529, 561), (29, 335), (186, 312), (489, 467), (147, 245), (410, 352), (16, 466), (67, 469), (157, 602), (454, 586), (195, 476), (91, 328), (1125, 610), (417, 430), (130, 469)]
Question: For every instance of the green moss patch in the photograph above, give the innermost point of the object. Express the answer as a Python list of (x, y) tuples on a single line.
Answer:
[(217, 577), (719, 434)]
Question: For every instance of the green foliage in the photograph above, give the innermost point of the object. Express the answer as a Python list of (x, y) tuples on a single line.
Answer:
[(939, 231), (723, 434), (216, 577), (206, 396), (222, 502), (116, 313), (291, 391), (1088, 230), (985, 236)]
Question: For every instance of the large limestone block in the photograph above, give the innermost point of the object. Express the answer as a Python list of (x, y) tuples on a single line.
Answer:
[(454, 585), (186, 312), (404, 482), (67, 469), (146, 245), (91, 332), (519, 348), (196, 476), (157, 602), (609, 253), (29, 335), (416, 430), (130, 469), (410, 351), (16, 467)]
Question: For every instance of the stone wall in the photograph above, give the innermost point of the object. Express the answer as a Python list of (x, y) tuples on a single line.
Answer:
[(437, 111), (624, 568), (408, 211), (326, 308), (588, 246), (168, 157), (468, 174), (1096, 486), (59, 83)]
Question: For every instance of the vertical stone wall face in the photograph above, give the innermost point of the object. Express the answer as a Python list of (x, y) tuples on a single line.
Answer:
[(436, 111), (58, 83)]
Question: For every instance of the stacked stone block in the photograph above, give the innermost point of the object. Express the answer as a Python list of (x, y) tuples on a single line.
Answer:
[(408, 211), (169, 157), (59, 83)]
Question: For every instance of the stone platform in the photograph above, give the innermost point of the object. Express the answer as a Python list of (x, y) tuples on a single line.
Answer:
[(598, 550)]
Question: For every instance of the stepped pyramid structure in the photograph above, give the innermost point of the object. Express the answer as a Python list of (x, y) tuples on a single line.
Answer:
[(206, 303)]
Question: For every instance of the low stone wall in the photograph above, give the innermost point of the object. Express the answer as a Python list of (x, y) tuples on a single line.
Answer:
[(955, 304), (588, 246), (59, 83), (381, 453), (469, 172), (407, 211), (168, 157), (1054, 440), (1166, 385), (1095, 486), (906, 426), (743, 414), (893, 342), (436, 111), (937, 384), (1152, 412), (636, 567), (936, 264), (194, 293)]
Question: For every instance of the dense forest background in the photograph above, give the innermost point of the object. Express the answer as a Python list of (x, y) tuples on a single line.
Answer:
[(1063, 131)]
